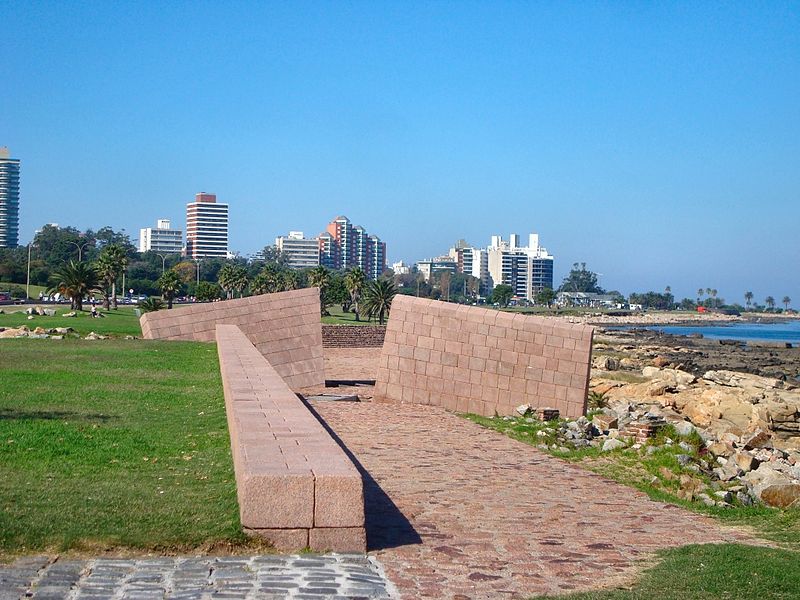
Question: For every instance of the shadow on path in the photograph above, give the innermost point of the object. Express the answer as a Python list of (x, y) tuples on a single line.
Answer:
[(386, 525)]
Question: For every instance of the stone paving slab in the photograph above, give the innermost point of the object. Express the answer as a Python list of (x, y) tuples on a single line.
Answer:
[(454, 510), (305, 576)]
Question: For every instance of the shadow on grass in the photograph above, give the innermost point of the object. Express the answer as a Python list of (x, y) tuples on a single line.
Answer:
[(7, 414), (386, 525)]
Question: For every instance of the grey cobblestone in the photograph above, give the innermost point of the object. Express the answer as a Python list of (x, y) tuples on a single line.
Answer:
[(196, 578)]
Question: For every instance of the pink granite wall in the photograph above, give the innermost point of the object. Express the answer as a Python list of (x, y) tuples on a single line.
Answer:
[(285, 327), (296, 486), (479, 360)]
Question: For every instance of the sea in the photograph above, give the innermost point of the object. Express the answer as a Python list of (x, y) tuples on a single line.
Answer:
[(785, 331)]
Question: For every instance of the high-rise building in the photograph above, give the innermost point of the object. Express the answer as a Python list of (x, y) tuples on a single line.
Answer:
[(345, 246), (301, 252), (527, 269), (161, 238), (206, 227), (9, 200)]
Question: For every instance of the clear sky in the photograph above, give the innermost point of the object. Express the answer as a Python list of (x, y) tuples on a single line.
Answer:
[(657, 142)]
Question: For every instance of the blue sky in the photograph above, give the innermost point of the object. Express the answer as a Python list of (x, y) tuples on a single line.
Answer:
[(657, 142)]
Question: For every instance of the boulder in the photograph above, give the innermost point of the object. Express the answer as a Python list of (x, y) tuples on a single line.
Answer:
[(742, 380), (673, 376), (660, 361), (605, 363), (612, 444), (781, 495), (684, 428), (524, 409), (604, 421), (755, 439)]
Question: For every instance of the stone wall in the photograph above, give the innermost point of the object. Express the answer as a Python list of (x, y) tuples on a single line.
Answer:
[(296, 486), (284, 327), (353, 336), (483, 361)]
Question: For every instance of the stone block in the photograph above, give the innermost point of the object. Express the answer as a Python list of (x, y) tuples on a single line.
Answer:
[(283, 540)]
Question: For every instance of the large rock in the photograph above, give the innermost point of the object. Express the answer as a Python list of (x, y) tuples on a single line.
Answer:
[(673, 376), (742, 380), (606, 363), (781, 495)]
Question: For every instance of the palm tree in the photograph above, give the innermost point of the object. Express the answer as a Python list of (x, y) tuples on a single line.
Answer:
[(74, 281), (786, 301), (289, 280), (700, 293), (770, 302), (748, 298), (232, 278), (320, 277), (714, 298), (170, 284), (109, 265), (378, 297), (354, 282), (268, 281)]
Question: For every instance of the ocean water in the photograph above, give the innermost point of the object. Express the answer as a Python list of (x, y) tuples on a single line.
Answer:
[(787, 331)]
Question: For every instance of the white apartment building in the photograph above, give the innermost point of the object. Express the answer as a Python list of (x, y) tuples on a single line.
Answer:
[(206, 227), (401, 268), (301, 252), (161, 238), (527, 269)]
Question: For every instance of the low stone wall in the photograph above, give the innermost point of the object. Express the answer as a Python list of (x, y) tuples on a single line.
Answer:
[(483, 361), (296, 486), (353, 336), (284, 327)]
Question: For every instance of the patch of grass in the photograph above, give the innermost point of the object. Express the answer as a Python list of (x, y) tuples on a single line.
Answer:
[(120, 322), (710, 572), (656, 473), (113, 444), (624, 376), (338, 317)]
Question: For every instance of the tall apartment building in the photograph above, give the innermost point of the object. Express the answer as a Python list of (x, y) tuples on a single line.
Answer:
[(527, 269), (345, 246), (161, 238), (301, 252), (9, 200), (206, 227)]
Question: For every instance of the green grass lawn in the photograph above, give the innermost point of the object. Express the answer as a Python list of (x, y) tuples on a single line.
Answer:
[(337, 317), (120, 322), (116, 443), (711, 572)]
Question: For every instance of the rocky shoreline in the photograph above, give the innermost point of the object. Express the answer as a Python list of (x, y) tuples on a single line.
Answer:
[(743, 401)]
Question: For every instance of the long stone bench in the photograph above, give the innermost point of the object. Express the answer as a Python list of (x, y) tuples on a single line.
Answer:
[(296, 486)]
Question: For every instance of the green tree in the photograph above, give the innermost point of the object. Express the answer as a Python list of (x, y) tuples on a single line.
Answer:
[(354, 281), (320, 277), (700, 292), (786, 302), (502, 294), (546, 297), (290, 280), (714, 297), (378, 296), (770, 302), (171, 285), (268, 281), (75, 281), (748, 298), (109, 266), (233, 278), (580, 279), (208, 291)]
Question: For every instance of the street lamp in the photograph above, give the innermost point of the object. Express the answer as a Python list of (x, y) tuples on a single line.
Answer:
[(198, 270), (163, 262), (28, 280), (80, 248)]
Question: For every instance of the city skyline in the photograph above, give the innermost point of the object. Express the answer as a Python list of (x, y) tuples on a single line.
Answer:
[(658, 144)]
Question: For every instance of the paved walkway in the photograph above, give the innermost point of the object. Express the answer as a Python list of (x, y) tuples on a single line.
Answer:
[(454, 510), (195, 578)]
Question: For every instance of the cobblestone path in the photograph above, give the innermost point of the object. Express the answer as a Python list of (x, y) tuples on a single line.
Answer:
[(455, 510), (240, 577)]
